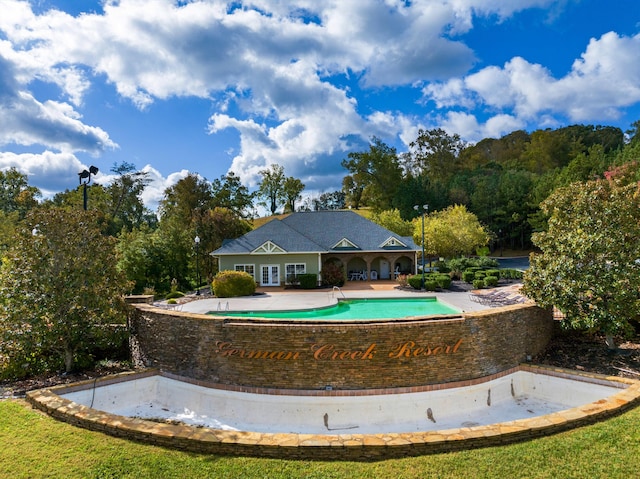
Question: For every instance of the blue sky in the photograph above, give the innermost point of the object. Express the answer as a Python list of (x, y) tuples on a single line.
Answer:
[(210, 86)]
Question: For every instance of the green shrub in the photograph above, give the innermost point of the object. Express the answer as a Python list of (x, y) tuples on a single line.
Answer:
[(308, 281), (415, 281), (478, 283), (493, 272), (228, 284), (509, 273), (490, 281), (432, 281), (443, 280), (468, 276), (442, 267), (172, 301), (485, 262), (430, 284), (480, 275)]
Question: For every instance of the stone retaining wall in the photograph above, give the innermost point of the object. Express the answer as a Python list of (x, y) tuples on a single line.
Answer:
[(339, 356), (352, 447)]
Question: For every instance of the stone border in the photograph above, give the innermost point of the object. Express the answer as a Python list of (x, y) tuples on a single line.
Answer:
[(352, 447)]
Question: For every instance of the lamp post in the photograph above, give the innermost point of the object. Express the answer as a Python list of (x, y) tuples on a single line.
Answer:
[(85, 178), (425, 208), (197, 242)]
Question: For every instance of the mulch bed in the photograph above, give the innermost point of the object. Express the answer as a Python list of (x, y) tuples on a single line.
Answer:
[(585, 352)]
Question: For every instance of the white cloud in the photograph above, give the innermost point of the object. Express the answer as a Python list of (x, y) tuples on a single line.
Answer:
[(50, 172), (603, 81), (467, 126), (270, 69), (157, 185)]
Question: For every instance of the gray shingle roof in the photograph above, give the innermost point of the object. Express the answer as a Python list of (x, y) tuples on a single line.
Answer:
[(318, 231)]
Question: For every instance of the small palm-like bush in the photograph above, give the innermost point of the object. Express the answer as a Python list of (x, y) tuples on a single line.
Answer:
[(228, 284)]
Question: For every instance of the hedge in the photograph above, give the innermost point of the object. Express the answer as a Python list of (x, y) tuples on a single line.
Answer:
[(229, 284)]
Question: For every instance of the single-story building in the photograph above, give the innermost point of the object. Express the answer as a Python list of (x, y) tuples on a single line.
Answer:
[(302, 243)]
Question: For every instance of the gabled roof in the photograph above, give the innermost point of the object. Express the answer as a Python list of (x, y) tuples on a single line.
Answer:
[(321, 232)]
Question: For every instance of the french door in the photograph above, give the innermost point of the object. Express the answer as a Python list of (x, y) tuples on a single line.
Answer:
[(270, 275)]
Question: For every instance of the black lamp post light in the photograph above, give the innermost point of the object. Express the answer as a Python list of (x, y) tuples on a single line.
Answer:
[(196, 240), (425, 208), (85, 179)]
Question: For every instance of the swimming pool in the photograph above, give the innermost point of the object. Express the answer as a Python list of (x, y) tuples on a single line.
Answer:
[(354, 309)]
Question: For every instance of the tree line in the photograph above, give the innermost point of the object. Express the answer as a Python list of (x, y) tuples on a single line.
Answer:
[(502, 181)]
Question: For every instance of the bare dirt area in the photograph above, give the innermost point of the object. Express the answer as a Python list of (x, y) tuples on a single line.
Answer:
[(19, 388), (585, 352)]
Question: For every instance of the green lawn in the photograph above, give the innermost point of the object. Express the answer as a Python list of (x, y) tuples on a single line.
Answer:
[(33, 445)]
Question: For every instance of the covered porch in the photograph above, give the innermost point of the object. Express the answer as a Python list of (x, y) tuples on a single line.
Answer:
[(375, 266)]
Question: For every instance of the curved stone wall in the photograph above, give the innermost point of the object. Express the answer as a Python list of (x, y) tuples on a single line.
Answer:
[(303, 355), (331, 447)]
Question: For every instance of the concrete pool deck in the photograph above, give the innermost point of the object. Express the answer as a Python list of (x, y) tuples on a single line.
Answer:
[(270, 299)]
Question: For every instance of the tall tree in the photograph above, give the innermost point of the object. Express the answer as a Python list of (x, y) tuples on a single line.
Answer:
[(215, 226), (229, 192), (633, 133), (291, 190), (377, 171), (588, 265), (392, 221), (60, 289), (436, 154), (271, 187), (353, 187), (451, 232), (16, 196), (334, 200), (127, 209), (182, 200)]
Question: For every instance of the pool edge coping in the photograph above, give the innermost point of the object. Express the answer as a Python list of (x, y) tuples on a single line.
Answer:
[(336, 446)]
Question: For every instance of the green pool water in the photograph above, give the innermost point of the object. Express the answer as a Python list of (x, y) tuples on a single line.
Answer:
[(357, 309)]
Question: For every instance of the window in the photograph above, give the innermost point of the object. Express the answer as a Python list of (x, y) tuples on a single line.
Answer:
[(294, 269), (247, 268)]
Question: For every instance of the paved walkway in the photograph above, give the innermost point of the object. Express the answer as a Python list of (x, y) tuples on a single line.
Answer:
[(286, 299)]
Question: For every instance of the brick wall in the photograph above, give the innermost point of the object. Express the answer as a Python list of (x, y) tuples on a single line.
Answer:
[(357, 355)]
